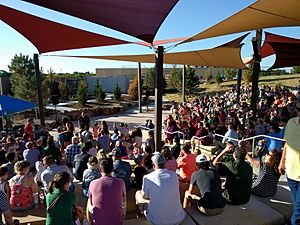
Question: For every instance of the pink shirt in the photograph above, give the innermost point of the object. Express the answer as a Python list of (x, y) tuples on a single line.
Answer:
[(107, 194)]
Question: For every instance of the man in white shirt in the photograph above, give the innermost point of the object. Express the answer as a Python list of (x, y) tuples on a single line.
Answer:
[(230, 135), (160, 190)]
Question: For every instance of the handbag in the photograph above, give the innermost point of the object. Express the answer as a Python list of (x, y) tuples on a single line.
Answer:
[(75, 211)]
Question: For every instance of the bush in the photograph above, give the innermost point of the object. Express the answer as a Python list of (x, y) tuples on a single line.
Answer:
[(82, 92), (99, 92), (133, 89), (208, 75), (218, 79), (117, 92)]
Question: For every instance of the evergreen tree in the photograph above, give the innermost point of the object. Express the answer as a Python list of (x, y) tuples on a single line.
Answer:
[(229, 73), (149, 80), (218, 78), (99, 93), (117, 92), (23, 78), (208, 75), (176, 78), (191, 80), (82, 92)]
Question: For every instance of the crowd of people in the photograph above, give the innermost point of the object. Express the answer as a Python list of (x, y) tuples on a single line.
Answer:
[(34, 162)]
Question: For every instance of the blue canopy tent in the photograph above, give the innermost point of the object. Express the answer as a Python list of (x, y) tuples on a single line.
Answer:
[(10, 105)]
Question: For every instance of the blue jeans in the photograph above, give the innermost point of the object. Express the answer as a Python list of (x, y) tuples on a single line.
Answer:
[(295, 192)]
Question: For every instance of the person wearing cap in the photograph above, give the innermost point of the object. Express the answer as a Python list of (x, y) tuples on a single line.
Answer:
[(238, 175), (205, 189), (290, 162), (186, 163), (122, 169), (159, 198)]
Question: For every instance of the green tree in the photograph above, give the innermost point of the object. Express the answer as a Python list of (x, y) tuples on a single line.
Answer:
[(191, 80), (23, 78), (218, 78), (63, 89), (82, 92), (149, 79), (175, 79), (229, 73), (296, 69), (208, 75), (133, 89), (99, 93), (117, 92)]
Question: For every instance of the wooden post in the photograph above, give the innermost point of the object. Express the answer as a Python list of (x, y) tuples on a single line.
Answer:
[(183, 83), (140, 86), (256, 44), (158, 96), (39, 88), (238, 86)]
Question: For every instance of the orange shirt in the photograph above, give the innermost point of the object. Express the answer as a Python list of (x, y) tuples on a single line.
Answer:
[(187, 166)]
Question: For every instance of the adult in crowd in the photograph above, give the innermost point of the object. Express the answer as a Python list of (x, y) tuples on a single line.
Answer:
[(85, 134), (205, 189), (90, 174), (272, 143), (5, 210), (175, 150), (230, 135), (83, 121), (104, 141), (290, 162), (161, 195), (139, 172), (66, 133), (122, 169), (186, 163), (47, 176), (11, 157), (60, 202), (265, 183), (80, 162), (51, 149), (171, 128), (29, 129), (238, 175), (107, 197), (72, 150), (31, 155), (150, 141), (22, 186)]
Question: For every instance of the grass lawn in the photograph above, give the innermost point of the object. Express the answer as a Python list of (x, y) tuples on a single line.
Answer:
[(291, 81)]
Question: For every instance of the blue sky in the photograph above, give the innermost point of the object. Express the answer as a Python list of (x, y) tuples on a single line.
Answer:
[(189, 17)]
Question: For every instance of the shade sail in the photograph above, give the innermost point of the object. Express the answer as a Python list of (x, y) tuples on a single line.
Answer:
[(49, 36), (227, 55), (261, 14), (138, 18), (9, 105), (287, 50)]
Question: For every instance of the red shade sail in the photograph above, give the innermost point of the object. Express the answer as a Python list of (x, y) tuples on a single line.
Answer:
[(49, 36), (138, 18), (287, 50)]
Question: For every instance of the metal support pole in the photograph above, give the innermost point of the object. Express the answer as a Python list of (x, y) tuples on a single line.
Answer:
[(183, 83), (158, 96), (238, 86), (39, 88), (256, 44), (140, 86)]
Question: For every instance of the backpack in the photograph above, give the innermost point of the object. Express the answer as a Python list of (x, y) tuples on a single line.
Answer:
[(21, 196)]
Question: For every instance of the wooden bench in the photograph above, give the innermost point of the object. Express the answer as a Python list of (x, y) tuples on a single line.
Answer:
[(142, 221), (281, 202), (32, 217), (253, 213)]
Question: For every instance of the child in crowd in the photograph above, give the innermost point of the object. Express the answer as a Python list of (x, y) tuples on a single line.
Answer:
[(95, 130), (139, 172), (90, 174), (4, 185)]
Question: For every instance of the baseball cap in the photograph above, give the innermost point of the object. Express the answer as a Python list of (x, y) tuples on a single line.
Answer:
[(201, 158), (116, 152), (158, 158)]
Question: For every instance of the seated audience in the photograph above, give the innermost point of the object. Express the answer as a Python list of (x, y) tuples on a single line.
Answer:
[(205, 189), (80, 162), (90, 174), (139, 172), (171, 163), (72, 150), (186, 163)]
